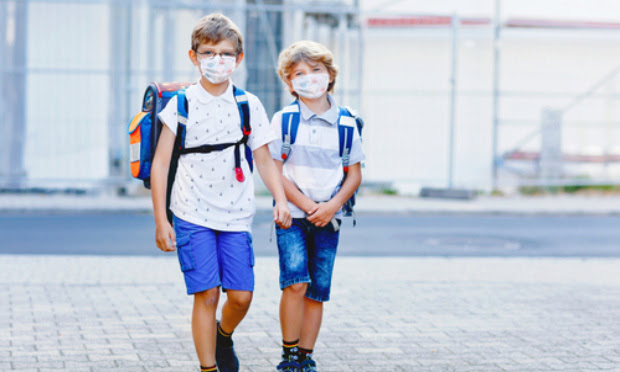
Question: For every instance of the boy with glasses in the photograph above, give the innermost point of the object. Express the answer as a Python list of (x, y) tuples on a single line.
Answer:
[(212, 202)]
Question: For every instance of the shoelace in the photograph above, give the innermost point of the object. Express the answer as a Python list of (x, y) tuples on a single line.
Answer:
[(310, 367), (292, 356)]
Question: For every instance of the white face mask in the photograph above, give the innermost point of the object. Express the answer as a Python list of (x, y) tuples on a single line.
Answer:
[(312, 85), (218, 69)]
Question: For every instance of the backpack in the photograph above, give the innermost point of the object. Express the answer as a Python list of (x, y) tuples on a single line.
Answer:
[(347, 122), (145, 128)]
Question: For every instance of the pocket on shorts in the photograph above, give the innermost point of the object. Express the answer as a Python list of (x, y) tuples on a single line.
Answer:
[(251, 248), (185, 252)]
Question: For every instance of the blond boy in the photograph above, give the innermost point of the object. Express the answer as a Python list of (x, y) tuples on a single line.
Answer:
[(316, 187)]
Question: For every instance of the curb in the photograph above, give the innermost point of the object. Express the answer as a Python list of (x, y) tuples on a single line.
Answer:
[(556, 205)]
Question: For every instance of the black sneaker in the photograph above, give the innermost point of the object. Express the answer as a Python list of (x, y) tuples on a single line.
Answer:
[(226, 358), (308, 365), (288, 366)]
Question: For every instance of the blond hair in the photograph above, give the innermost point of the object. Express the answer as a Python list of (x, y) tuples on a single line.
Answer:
[(213, 28), (310, 52)]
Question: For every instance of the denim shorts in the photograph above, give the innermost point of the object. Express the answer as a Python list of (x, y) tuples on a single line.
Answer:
[(211, 258), (307, 255)]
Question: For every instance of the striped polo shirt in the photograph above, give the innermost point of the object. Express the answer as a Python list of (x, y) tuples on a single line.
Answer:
[(314, 164)]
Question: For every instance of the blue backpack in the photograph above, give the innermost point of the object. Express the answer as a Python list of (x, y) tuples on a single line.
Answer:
[(347, 122), (145, 128)]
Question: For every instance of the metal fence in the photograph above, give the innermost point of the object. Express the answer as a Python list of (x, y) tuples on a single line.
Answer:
[(73, 74), (575, 139), (448, 101), (472, 102)]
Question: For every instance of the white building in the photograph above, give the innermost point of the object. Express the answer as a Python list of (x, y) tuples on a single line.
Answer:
[(549, 55), (82, 73)]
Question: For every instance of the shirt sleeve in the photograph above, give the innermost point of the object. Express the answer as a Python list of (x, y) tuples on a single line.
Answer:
[(357, 153), (169, 115), (262, 133), (275, 147)]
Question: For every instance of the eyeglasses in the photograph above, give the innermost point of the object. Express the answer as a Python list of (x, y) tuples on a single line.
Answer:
[(208, 54)]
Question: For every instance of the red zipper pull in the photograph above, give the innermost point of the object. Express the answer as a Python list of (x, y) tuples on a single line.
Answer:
[(239, 174)]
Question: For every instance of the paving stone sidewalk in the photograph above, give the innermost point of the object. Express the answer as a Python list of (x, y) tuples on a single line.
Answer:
[(86, 313)]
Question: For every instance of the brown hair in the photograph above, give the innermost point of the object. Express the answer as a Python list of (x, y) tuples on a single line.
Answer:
[(213, 28), (309, 52)]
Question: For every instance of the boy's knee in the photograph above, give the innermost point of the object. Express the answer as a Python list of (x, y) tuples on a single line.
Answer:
[(297, 289), (209, 297), (240, 300)]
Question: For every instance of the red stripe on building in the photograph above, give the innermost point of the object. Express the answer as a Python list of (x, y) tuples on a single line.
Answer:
[(422, 21), (445, 21)]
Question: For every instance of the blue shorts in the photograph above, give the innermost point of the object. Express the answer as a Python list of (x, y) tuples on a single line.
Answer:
[(307, 255), (211, 258)]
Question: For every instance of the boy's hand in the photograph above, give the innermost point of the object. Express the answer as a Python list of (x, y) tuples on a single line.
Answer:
[(322, 214), (165, 237), (282, 215)]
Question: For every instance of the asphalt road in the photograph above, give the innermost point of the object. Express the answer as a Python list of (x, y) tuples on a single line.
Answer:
[(375, 235)]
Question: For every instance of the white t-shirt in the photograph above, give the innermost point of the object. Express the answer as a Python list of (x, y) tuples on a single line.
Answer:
[(206, 191)]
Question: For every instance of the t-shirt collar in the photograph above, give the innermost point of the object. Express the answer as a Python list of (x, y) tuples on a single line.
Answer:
[(206, 97), (330, 116)]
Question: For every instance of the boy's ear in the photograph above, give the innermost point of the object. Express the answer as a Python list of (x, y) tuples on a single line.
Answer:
[(192, 56), (289, 85), (239, 59)]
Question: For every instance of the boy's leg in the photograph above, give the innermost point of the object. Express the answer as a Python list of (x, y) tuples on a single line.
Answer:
[(234, 309), (236, 258), (196, 249), (292, 311), (203, 325), (322, 250), (294, 277), (294, 280), (313, 315)]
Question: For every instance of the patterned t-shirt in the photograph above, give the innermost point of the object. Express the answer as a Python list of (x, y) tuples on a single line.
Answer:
[(206, 191), (314, 164)]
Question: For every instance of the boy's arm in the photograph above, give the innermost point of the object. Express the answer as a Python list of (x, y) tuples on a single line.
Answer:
[(164, 233), (324, 212), (271, 177)]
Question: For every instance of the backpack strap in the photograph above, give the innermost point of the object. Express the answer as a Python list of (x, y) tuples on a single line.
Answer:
[(182, 106), (181, 120), (244, 114), (346, 126), (179, 145), (290, 124), (347, 122), (358, 120), (244, 110)]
